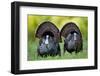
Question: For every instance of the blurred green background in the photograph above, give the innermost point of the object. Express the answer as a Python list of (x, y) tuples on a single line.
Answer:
[(35, 20)]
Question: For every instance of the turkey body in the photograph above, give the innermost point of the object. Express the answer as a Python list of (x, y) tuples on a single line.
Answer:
[(72, 43), (48, 46)]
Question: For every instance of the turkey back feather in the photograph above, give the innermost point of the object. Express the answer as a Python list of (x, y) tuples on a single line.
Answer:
[(48, 28)]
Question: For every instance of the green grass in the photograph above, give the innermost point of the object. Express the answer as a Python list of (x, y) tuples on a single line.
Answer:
[(32, 52)]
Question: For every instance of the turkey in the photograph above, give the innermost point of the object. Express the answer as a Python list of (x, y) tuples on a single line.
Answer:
[(72, 38), (49, 36)]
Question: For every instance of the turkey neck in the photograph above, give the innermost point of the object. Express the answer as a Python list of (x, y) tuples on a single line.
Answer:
[(47, 39), (74, 36)]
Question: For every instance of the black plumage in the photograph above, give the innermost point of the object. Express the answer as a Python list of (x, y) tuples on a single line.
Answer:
[(52, 48), (72, 38), (72, 43)]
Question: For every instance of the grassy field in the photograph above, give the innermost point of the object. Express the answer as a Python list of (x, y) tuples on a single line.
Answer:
[(32, 52)]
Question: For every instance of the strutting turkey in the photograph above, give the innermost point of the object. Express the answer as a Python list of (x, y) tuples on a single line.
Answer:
[(72, 38), (49, 37)]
